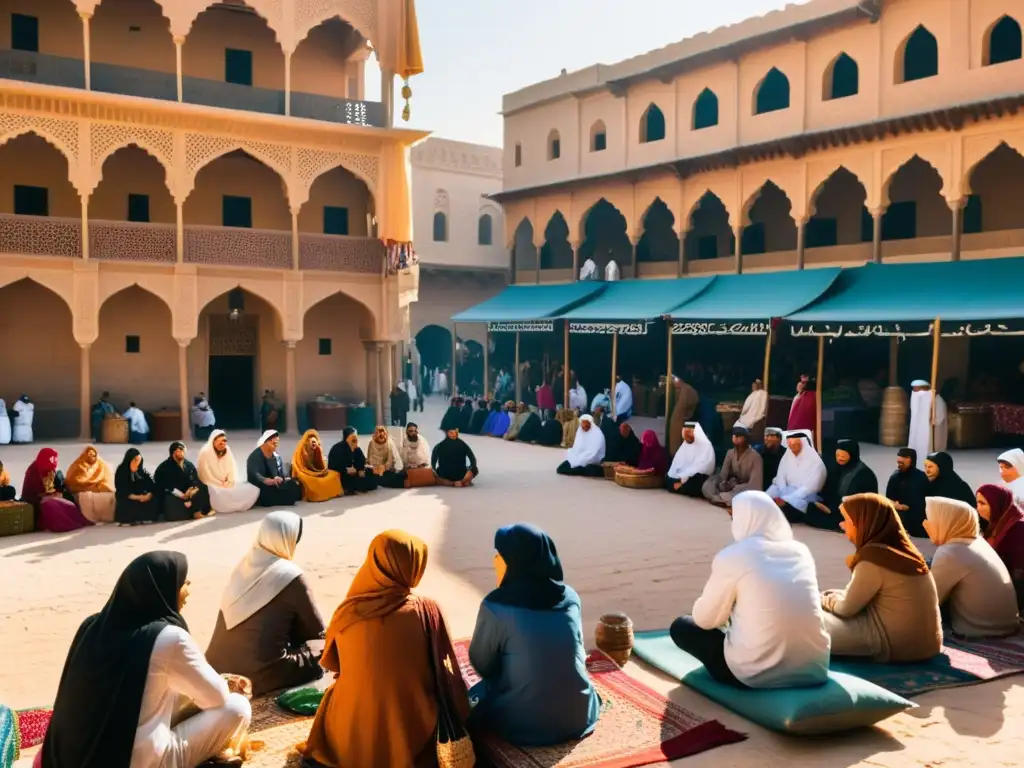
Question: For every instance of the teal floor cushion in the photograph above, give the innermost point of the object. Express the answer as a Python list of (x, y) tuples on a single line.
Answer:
[(843, 703)]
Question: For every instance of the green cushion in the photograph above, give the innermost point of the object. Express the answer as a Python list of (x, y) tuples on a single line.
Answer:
[(301, 701), (843, 703)]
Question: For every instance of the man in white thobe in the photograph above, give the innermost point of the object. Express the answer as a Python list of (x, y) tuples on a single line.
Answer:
[(921, 425), (578, 398), (24, 413), (755, 411), (800, 478), (216, 466), (623, 400), (138, 427)]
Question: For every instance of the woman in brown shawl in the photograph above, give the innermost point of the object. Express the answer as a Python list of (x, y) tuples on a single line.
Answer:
[(383, 460), (310, 468), (392, 659), (91, 480), (890, 609)]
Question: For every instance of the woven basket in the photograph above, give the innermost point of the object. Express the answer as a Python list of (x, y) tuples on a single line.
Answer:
[(609, 469), (634, 480)]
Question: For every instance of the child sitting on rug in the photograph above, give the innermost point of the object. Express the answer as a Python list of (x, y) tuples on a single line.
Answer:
[(764, 590)]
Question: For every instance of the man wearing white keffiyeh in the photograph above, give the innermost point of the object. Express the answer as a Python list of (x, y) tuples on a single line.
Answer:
[(800, 478)]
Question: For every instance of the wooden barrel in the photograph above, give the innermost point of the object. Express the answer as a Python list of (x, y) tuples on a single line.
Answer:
[(894, 427), (615, 637), (115, 430)]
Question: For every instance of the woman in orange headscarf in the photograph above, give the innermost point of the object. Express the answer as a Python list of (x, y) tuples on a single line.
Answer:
[(395, 670), (91, 480), (890, 609), (310, 468)]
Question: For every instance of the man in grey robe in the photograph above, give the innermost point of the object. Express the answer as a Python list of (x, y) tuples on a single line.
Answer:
[(742, 470)]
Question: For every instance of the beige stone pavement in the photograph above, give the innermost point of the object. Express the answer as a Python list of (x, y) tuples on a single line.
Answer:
[(643, 552)]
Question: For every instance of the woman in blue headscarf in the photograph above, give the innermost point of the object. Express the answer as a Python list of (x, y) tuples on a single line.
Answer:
[(528, 647)]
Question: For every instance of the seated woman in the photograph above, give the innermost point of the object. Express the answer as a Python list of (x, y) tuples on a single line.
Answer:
[(889, 612), (516, 424), (184, 495), (550, 433), (91, 480), (758, 622), (7, 491), (126, 673), (974, 587), (693, 463), (493, 409), (532, 429), (384, 639), (502, 421), (944, 481), (383, 460), (453, 461), (1005, 531), (347, 459), (309, 467), (528, 648), (848, 477), (587, 451), (267, 615), (479, 418), (217, 468), (452, 418), (569, 429), (266, 470), (135, 492), (653, 457), (43, 488)]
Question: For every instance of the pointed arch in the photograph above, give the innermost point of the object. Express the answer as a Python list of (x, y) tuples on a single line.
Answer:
[(772, 94), (709, 233), (554, 144), (705, 110), (159, 284), (360, 16), (842, 78), (59, 283), (556, 253), (917, 57), (219, 149), (183, 15), (1003, 42), (211, 288), (992, 188), (316, 294), (838, 212), (598, 136), (70, 158), (659, 241), (652, 124), (916, 206)]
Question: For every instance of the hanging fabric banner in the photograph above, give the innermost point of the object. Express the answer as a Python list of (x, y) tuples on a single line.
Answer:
[(523, 326), (903, 331), (608, 329), (720, 329)]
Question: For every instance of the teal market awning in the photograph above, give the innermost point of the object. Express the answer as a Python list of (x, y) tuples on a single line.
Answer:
[(969, 298), (626, 307), (530, 307), (744, 305)]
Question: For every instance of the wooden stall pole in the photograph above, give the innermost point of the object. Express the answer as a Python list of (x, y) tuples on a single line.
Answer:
[(894, 359), (936, 338), (565, 375), (615, 367), (767, 360), (517, 367), (821, 371), (669, 380), (487, 369), (455, 359)]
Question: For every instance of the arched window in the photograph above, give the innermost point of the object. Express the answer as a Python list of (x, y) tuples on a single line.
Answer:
[(842, 79), (918, 58), (705, 110), (554, 145), (518, 159), (598, 137), (652, 125), (484, 229), (440, 227), (1003, 42), (772, 94)]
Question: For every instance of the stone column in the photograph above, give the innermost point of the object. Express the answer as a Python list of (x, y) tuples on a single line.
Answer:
[(957, 207), (634, 268), (681, 269), (295, 240), (179, 230), (378, 349), (738, 249), (387, 97), (288, 83), (86, 48), (85, 227), (186, 430), (85, 395), (801, 244), (292, 411), (178, 43), (575, 260), (876, 237), (368, 346)]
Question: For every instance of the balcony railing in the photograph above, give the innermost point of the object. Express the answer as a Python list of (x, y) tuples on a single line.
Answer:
[(237, 247), (150, 84), (132, 241), (340, 254), (40, 236)]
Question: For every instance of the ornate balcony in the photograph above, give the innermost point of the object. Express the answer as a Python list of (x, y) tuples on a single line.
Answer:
[(236, 247), (40, 236), (334, 253), (131, 241), (150, 84)]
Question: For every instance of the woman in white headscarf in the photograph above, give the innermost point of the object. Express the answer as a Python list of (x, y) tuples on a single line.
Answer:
[(1011, 469), (216, 465), (5, 424), (267, 615), (801, 476), (763, 591), (694, 462), (587, 451)]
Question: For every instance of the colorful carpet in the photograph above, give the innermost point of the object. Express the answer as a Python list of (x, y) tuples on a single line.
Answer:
[(637, 727), (960, 663)]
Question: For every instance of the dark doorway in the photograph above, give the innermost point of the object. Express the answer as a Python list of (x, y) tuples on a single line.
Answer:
[(232, 394)]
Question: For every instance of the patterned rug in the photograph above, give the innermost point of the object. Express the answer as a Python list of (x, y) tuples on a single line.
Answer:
[(960, 663), (637, 727)]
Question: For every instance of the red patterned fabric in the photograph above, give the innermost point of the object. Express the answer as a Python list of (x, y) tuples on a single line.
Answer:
[(1008, 418), (32, 725)]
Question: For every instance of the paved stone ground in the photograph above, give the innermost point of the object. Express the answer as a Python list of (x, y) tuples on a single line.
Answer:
[(643, 552)]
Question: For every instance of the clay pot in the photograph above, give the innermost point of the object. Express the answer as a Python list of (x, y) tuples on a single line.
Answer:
[(614, 637)]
